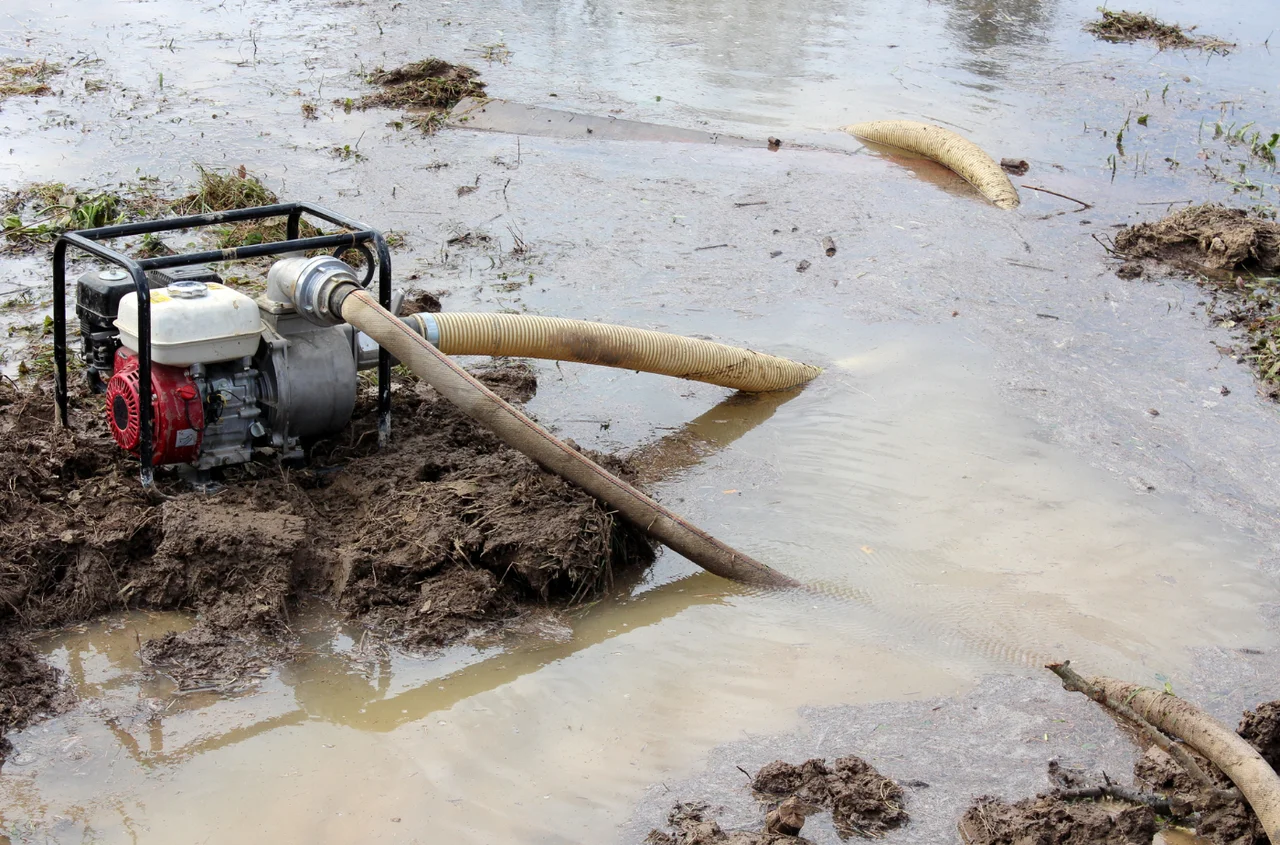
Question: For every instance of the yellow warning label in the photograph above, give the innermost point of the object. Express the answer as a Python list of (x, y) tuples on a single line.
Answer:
[(157, 296)]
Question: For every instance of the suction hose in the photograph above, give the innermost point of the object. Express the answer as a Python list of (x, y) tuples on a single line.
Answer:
[(528, 336), (948, 149), (433, 366)]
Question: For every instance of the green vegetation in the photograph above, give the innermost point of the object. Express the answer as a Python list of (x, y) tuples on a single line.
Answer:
[(57, 209)]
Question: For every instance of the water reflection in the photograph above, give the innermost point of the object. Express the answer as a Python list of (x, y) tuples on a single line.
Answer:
[(979, 26)]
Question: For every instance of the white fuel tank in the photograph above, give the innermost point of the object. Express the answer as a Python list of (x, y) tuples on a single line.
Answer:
[(193, 323)]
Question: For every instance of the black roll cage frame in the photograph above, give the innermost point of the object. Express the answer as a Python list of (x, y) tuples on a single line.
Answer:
[(357, 236)]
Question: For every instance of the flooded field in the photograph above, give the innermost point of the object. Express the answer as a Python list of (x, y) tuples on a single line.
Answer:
[(1013, 456)]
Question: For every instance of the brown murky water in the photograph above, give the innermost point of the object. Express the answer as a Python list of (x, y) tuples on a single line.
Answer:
[(950, 524)]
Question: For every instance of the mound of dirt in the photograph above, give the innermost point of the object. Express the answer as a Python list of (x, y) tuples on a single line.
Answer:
[(1045, 820), (30, 688), (1225, 250), (444, 532), (1261, 729), (429, 85), (1135, 26), (1206, 236), (861, 800), (691, 824)]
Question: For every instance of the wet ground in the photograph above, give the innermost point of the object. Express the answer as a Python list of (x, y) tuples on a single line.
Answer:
[(977, 484)]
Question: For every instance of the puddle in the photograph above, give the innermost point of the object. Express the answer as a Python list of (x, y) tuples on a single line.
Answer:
[(1006, 554), (518, 119)]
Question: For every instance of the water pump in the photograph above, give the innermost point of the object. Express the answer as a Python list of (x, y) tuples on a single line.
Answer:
[(195, 373), (231, 377), (218, 378)]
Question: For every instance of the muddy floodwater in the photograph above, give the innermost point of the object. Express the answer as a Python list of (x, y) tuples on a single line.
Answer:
[(1013, 456)]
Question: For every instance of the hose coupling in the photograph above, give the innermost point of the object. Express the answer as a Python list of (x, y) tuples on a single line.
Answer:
[(313, 286)]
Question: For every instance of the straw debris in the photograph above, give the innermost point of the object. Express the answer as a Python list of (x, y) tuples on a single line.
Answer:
[(26, 79), (431, 87), (1136, 26)]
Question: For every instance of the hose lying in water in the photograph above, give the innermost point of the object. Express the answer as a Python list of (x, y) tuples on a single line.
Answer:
[(433, 366), (528, 336), (948, 149)]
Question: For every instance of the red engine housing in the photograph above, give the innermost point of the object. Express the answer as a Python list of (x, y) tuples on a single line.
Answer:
[(176, 407)]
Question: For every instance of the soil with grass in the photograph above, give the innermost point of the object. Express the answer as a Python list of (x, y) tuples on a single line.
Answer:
[(1235, 255), (444, 533), (32, 217), (1136, 26)]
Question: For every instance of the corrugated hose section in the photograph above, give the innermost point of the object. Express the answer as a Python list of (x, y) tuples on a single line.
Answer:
[(558, 339), (947, 148)]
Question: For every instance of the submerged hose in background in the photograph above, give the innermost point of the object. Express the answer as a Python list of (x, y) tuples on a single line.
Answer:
[(948, 149), (433, 366), (557, 339)]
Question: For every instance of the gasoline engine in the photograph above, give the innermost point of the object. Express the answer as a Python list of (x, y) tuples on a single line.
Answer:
[(231, 376)]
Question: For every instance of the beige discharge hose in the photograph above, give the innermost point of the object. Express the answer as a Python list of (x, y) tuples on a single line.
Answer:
[(433, 366), (558, 339), (1238, 760), (948, 149)]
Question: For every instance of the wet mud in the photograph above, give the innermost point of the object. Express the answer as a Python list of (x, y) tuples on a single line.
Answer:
[(1050, 821), (861, 800), (30, 688), (1163, 793), (1261, 729), (1230, 252), (1211, 237), (862, 803), (444, 533), (693, 823)]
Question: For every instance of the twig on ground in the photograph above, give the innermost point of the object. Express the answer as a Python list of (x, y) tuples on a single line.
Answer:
[(1083, 204)]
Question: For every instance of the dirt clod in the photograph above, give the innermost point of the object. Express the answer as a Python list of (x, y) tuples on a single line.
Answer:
[(1130, 270), (1230, 252), (1050, 821), (1210, 235), (1016, 166), (691, 824), (861, 800)]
